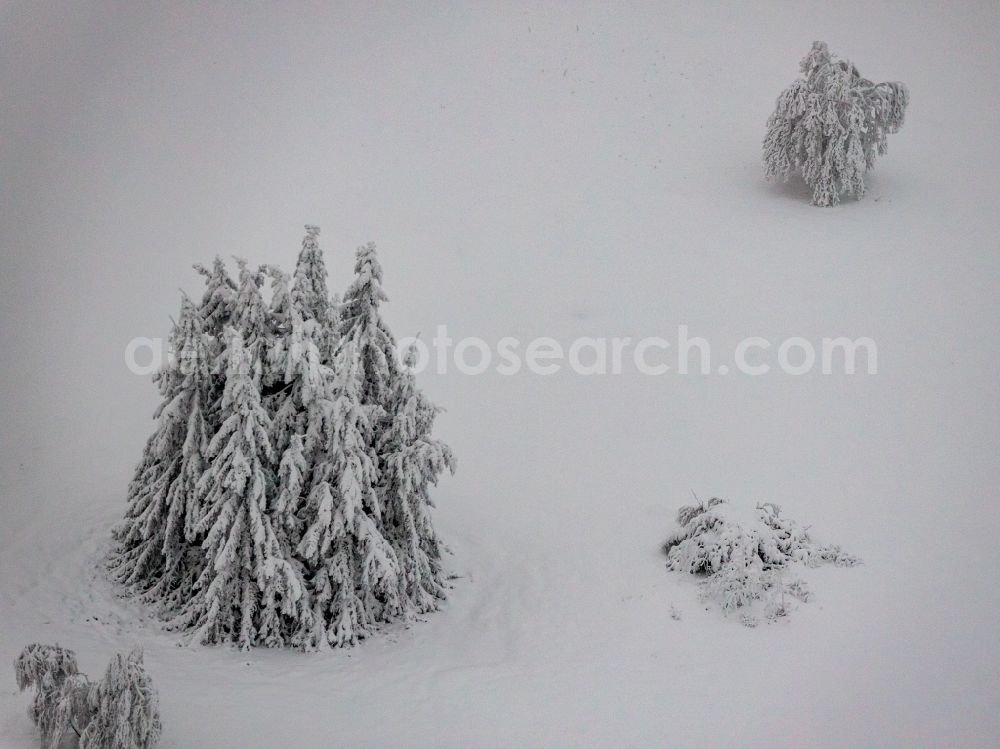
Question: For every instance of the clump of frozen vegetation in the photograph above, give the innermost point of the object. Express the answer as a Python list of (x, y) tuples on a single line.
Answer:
[(830, 125), (745, 557), (284, 496), (53, 672), (125, 707), (121, 711)]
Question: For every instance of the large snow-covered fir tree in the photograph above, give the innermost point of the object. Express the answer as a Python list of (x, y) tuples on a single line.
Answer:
[(411, 461), (250, 589), (299, 421), (408, 459), (155, 536), (372, 550), (354, 571), (830, 125), (283, 498)]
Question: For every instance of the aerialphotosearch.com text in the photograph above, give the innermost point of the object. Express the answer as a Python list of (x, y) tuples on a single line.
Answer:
[(684, 354)]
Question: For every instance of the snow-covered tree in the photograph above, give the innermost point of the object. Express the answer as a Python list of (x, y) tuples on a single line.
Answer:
[(154, 553), (300, 384), (309, 290), (310, 294), (362, 326), (354, 571), (218, 298), (830, 125), (369, 504), (217, 306), (284, 496), (299, 426), (251, 314), (411, 462), (249, 590)]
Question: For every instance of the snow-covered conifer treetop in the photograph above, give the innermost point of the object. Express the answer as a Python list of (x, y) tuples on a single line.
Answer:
[(309, 290)]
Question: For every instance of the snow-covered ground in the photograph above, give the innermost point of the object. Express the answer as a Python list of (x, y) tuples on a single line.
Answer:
[(577, 170)]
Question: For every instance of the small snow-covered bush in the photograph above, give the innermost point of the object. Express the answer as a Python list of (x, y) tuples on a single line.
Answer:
[(744, 556), (830, 125), (54, 674), (126, 707), (118, 712)]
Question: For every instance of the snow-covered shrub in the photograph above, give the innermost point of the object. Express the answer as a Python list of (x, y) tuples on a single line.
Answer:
[(118, 712), (744, 556), (283, 498), (830, 125), (126, 713), (54, 674)]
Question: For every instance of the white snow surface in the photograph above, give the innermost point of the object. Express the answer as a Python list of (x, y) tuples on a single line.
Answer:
[(566, 170)]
